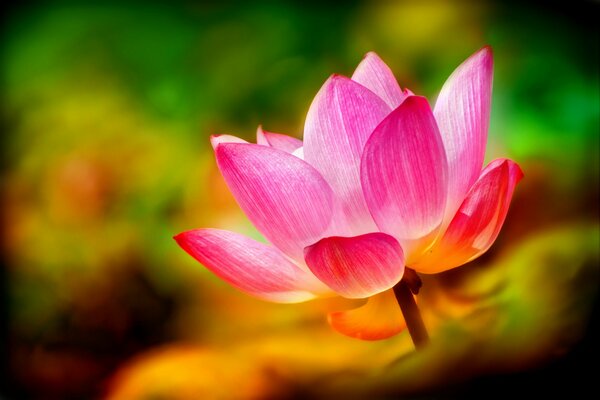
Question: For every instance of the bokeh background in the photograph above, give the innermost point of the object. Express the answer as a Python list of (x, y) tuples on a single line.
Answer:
[(107, 108)]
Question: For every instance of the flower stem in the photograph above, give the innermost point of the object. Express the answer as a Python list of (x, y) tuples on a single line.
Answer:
[(403, 291)]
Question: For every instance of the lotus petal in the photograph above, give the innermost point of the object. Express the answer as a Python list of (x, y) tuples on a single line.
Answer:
[(462, 112), (277, 140), (379, 318), (359, 266), (339, 122), (287, 200), (403, 174), (252, 267), (477, 223), (376, 76)]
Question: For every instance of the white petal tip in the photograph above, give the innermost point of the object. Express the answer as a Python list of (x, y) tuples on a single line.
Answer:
[(216, 140)]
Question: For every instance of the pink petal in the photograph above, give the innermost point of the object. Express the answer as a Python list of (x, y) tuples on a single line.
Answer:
[(340, 119), (478, 221), (462, 111), (486, 206), (403, 174), (359, 266), (379, 318), (252, 267), (215, 140), (376, 76), (284, 197), (277, 140)]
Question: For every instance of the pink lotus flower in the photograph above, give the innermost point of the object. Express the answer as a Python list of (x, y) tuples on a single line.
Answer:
[(380, 182)]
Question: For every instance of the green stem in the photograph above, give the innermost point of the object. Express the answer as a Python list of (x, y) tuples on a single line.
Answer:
[(404, 290)]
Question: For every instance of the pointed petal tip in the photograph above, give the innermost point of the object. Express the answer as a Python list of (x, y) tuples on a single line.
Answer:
[(371, 54), (217, 140), (336, 79), (214, 141), (482, 59), (487, 50), (217, 147), (330, 85), (415, 101), (515, 170), (374, 74), (277, 140), (182, 237), (260, 136), (226, 148), (484, 56), (337, 82), (331, 78)]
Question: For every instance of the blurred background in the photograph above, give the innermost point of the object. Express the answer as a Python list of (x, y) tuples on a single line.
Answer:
[(107, 108)]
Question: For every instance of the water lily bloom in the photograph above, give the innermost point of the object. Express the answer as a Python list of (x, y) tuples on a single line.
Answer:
[(381, 182)]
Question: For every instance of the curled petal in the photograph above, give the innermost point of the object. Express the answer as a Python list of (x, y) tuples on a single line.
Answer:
[(252, 267), (216, 140), (277, 140), (379, 318), (376, 76), (285, 198), (403, 174), (478, 221), (462, 112), (357, 267), (339, 121)]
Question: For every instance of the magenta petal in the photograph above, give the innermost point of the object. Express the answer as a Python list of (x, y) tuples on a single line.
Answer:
[(340, 120), (376, 76), (462, 112), (403, 173), (284, 197), (250, 266), (481, 216), (277, 140), (478, 221), (359, 266)]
